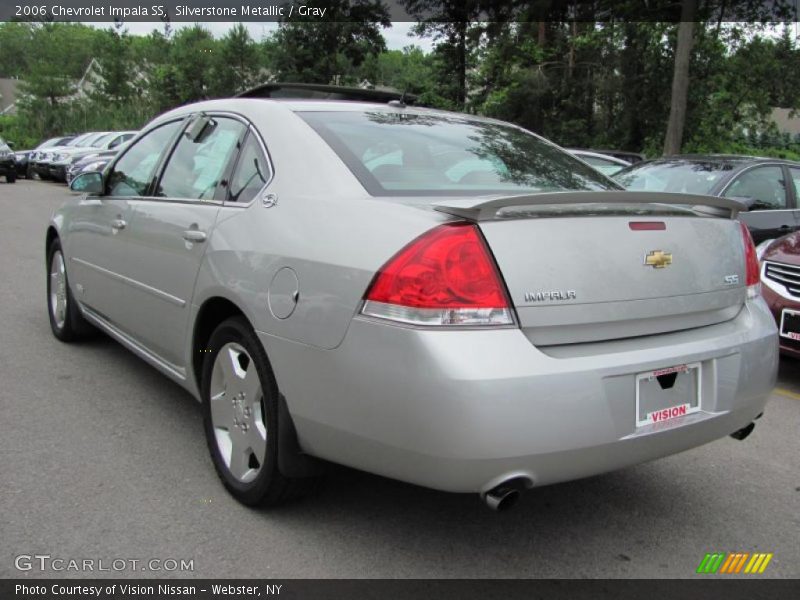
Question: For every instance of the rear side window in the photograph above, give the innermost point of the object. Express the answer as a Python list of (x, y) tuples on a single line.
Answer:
[(196, 166), (132, 174), (251, 174), (764, 185), (418, 154)]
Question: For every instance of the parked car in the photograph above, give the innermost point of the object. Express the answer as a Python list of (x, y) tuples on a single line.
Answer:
[(24, 156), (607, 165), (40, 164), (63, 159), (763, 183), (434, 297), (8, 164), (780, 279), (93, 162)]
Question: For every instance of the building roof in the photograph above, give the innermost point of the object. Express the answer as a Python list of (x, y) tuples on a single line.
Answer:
[(785, 123)]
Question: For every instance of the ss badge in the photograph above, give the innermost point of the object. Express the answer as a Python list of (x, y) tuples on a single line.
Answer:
[(731, 279)]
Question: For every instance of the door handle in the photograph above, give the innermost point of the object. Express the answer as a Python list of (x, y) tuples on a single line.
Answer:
[(118, 224), (784, 227), (193, 235)]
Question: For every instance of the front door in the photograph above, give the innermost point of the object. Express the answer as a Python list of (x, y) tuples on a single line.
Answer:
[(99, 239)]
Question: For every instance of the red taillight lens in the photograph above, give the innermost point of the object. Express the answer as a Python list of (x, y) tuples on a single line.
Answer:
[(752, 269), (445, 277)]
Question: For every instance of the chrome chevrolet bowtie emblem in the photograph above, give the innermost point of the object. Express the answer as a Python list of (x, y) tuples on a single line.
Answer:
[(658, 259)]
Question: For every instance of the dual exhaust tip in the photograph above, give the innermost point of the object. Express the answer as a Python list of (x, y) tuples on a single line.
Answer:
[(506, 495)]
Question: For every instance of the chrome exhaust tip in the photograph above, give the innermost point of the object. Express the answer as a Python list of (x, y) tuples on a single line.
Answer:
[(501, 498)]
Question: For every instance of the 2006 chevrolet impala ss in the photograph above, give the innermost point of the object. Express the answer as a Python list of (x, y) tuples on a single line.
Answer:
[(439, 298)]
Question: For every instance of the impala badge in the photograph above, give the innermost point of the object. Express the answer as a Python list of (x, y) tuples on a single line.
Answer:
[(550, 295), (657, 259)]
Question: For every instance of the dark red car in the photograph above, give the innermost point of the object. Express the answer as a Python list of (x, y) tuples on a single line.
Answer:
[(780, 279)]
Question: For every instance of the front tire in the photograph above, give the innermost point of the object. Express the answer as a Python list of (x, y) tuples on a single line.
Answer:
[(66, 321), (11, 177), (240, 417)]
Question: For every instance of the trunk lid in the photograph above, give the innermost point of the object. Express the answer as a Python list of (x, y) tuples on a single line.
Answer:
[(583, 273)]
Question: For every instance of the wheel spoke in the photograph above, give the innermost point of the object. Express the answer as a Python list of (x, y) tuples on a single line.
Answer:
[(221, 411), (256, 437), (240, 457), (250, 385)]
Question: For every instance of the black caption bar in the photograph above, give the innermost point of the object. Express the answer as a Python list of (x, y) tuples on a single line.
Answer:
[(384, 589), (395, 10)]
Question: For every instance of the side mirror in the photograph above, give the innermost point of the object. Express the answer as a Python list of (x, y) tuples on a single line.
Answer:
[(10, 144), (88, 183)]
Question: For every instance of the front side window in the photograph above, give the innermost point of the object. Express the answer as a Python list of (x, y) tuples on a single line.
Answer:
[(196, 166), (796, 179), (412, 154), (251, 174), (763, 185), (132, 174)]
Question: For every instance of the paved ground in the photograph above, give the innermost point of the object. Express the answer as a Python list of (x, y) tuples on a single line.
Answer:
[(104, 458)]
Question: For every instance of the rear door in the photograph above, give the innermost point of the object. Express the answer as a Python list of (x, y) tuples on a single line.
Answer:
[(171, 228), (771, 214)]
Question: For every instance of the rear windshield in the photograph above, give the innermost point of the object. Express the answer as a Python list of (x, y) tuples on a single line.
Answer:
[(102, 140), (686, 177), (401, 154)]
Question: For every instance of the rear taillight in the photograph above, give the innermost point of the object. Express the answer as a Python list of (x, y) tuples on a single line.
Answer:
[(752, 270), (447, 276)]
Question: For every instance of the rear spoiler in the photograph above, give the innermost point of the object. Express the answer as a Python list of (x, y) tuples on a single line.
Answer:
[(485, 209)]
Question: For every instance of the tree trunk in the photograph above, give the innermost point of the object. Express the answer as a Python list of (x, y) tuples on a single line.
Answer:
[(680, 79), (462, 64)]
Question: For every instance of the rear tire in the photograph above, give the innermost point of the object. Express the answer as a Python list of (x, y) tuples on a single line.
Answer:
[(66, 320), (11, 177), (240, 417)]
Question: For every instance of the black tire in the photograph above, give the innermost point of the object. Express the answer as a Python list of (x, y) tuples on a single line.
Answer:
[(74, 326), (270, 487), (11, 177)]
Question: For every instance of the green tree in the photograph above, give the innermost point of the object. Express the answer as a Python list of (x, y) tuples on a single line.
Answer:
[(237, 63), (316, 51)]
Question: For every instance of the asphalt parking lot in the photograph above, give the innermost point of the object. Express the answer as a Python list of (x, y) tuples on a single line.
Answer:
[(104, 458)]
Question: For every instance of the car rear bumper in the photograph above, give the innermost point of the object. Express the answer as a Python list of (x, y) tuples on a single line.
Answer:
[(463, 411)]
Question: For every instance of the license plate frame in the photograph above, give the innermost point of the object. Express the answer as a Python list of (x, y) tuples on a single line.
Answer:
[(692, 405), (791, 335)]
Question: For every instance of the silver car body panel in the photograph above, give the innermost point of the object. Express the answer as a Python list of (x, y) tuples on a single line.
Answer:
[(455, 409)]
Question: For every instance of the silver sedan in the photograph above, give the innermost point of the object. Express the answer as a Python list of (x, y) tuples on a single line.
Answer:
[(444, 299)]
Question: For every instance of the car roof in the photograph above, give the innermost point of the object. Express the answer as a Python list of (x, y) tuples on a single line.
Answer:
[(294, 105)]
